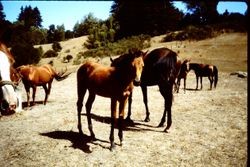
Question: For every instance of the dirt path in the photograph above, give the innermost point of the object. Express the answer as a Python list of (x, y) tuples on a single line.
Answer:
[(209, 129)]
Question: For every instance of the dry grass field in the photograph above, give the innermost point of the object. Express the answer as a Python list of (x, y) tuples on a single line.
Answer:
[(209, 126)]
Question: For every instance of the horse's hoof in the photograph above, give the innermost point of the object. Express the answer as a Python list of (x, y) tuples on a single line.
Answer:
[(165, 130), (161, 125), (129, 120), (112, 147), (146, 119)]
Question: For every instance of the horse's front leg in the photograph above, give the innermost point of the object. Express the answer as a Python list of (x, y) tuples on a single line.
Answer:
[(211, 81), (145, 100), (34, 94), (201, 81), (185, 84), (46, 94), (129, 107), (89, 103), (113, 117), (197, 82), (122, 105)]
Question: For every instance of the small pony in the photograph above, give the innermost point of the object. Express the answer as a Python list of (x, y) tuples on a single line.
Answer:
[(115, 82), (182, 75), (33, 76), (10, 98), (205, 70)]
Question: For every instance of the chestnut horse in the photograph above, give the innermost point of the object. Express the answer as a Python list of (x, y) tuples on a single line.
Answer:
[(162, 66), (115, 82), (205, 70), (33, 76), (10, 98), (182, 75)]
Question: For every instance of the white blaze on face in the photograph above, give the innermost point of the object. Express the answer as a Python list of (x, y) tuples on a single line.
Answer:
[(8, 92), (139, 67)]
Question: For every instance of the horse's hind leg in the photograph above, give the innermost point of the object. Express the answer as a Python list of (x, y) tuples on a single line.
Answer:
[(166, 92), (89, 103), (81, 93), (113, 117), (145, 100)]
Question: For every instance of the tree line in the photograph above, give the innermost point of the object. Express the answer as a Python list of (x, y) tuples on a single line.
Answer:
[(128, 18)]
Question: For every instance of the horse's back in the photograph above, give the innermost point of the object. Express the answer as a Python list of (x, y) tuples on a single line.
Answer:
[(160, 62), (36, 75)]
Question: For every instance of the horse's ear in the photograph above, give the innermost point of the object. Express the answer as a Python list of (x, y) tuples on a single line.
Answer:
[(111, 60), (145, 53)]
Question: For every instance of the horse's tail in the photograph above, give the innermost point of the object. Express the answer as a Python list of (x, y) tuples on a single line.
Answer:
[(215, 76), (59, 76)]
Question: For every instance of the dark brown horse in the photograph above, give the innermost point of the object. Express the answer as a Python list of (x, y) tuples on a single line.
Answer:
[(33, 76), (10, 99), (205, 70), (182, 75), (161, 67), (115, 82)]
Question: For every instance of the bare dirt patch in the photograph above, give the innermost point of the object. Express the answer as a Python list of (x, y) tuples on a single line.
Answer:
[(209, 127)]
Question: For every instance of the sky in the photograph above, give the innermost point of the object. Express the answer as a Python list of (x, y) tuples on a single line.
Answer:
[(69, 13)]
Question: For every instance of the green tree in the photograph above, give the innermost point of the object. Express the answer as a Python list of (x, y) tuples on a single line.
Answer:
[(30, 17), (2, 15), (25, 53), (145, 17), (203, 12)]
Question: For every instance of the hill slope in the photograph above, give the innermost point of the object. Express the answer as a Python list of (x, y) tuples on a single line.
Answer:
[(227, 51)]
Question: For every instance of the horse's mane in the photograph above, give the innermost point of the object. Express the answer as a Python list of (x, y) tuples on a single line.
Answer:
[(4, 49), (126, 58)]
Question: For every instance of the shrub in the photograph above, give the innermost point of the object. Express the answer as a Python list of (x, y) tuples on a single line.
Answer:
[(67, 58), (26, 54), (50, 53), (56, 47)]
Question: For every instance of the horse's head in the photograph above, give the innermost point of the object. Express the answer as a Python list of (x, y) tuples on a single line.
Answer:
[(15, 76), (185, 65), (133, 62), (8, 96)]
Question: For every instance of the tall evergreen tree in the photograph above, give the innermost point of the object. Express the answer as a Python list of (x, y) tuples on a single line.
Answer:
[(145, 16), (30, 17), (204, 12), (2, 15)]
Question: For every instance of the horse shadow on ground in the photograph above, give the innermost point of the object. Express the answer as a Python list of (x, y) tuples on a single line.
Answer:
[(82, 141), (79, 141), (127, 125), (25, 104)]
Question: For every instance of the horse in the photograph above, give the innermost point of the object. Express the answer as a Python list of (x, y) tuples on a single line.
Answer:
[(33, 76), (204, 70), (10, 98), (161, 67), (182, 75), (114, 82)]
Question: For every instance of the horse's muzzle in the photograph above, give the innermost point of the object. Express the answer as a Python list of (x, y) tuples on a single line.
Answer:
[(6, 108)]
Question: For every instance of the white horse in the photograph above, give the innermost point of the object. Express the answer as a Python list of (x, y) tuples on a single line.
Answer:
[(10, 98)]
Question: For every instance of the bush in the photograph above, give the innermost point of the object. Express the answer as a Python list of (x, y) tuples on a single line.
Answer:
[(56, 47), (190, 33), (26, 54), (120, 47), (50, 53), (67, 58)]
